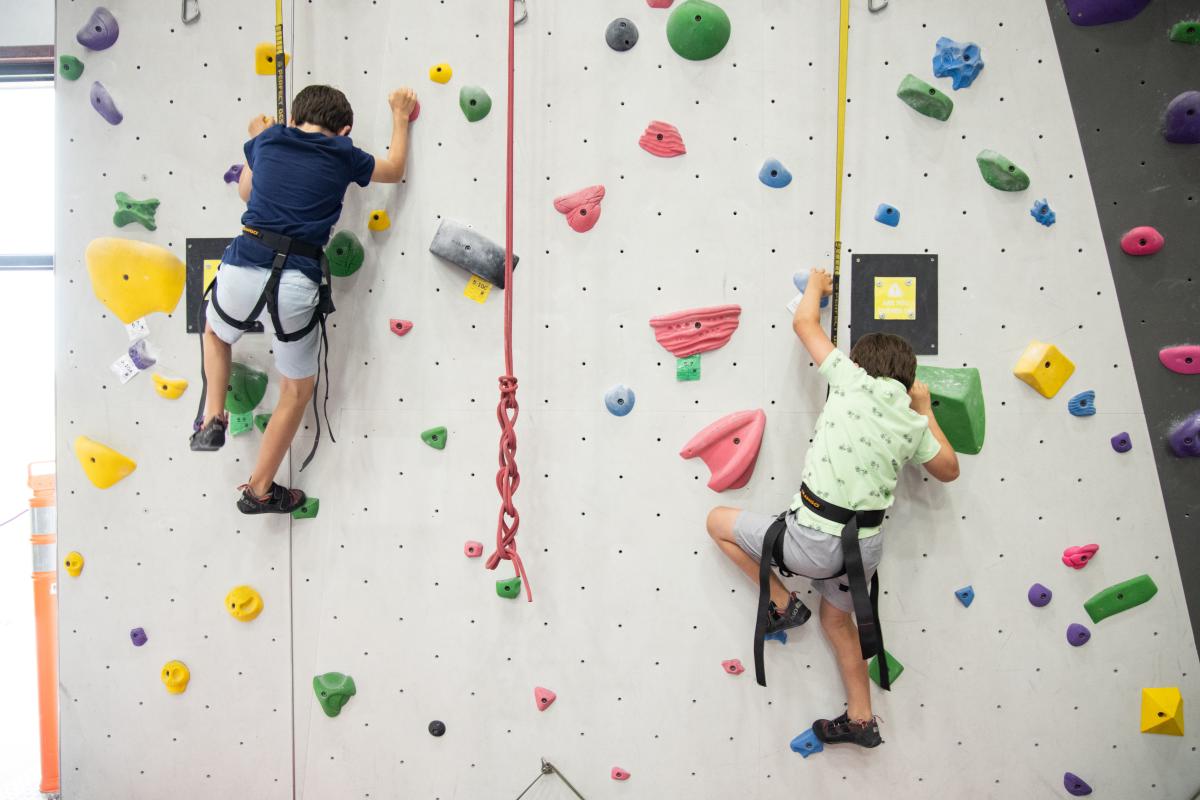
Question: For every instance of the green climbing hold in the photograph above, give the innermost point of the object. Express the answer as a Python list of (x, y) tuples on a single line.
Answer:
[(1186, 31), (333, 690), (698, 29), (247, 386), (345, 254), (957, 396), (308, 509), (510, 588), (474, 102), (70, 67), (435, 437), (924, 99), (895, 668), (260, 422), (1120, 597), (1000, 173), (240, 423), (130, 210), (688, 369)]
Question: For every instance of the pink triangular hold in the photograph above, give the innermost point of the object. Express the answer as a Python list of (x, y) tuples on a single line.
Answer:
[(1077, 557), (619, 774), (582, 208), (662, 139), (400, 326), (686, 333), (1184, 359), (543, 697), (729, 447), (733, 666)]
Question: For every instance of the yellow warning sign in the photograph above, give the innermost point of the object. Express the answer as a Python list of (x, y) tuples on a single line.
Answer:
[(210, 271), (477, 289), (895, 298)]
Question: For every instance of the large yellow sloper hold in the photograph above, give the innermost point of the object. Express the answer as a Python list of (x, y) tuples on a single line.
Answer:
[(1162, 711), (134, 278), (1044, 367), (103, 465)]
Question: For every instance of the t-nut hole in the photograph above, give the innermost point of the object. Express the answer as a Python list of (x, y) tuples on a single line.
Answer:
[(737, 440), (697, 326)]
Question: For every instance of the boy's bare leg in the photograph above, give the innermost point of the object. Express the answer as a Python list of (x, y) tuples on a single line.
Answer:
[(285, 421), (720, 528), (217, 356), (842, 634)]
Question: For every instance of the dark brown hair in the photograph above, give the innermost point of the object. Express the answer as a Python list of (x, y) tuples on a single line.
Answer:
[(324, 106), (886, 355)]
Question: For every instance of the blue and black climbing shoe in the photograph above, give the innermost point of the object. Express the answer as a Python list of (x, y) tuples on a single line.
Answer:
[(277, 501), (211, 436), (795, 615), (843, 730)]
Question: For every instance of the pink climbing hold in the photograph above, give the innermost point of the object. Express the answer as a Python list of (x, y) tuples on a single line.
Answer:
[(733, 666), (473, 549), (659, 3), (400, 326), (1142, 241), (582, 208), (662, 139), (698, 330), (729, 447), (543, 697), (1184, 359), (619, 774), (1077, 557)]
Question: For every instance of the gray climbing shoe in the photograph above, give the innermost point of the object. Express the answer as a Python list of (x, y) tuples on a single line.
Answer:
[(211, 436), (843, 730), (795, 615)]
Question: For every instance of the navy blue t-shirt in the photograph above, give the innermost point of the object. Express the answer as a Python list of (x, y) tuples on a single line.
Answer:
[(299, 182)]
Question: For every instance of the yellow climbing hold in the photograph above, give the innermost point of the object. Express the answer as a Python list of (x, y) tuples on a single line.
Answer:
[(1044, 368), (170, 388), (103, 465), (440, 73), (175, 676), (74, 563), (134, 278), (264, 58), (378, 221), (1162, 711), (243, 603)]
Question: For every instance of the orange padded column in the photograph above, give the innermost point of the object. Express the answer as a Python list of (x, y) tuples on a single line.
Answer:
[(43, 528)]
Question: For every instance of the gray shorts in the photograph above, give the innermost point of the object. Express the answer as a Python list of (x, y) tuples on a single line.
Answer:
[(238, 289), (809, 552)]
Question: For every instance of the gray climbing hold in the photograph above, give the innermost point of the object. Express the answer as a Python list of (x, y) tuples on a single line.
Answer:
[(962, 62), (437, 727), (619, 400), (621, 34), (925, 99), (464, 247), (774, 174), (100, 31), (1182, 123)]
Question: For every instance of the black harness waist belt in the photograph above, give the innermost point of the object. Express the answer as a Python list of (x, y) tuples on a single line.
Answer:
[(866, 599)]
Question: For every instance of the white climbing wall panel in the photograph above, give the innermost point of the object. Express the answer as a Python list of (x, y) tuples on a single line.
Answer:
[(634, 608)]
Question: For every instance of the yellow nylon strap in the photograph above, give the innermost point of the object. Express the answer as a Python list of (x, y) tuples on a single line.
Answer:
[(280, 66), (843, 54)]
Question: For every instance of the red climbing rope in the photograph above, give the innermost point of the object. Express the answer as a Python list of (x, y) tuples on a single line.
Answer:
[(508, 478)]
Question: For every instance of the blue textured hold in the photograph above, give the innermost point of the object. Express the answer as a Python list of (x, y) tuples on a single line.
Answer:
[(779, 636), (774, 174), (888, 215), (1082, 404), (966, 596), (962, 62), (800, 279), (619, 400), (1042, 212), (807, 743)]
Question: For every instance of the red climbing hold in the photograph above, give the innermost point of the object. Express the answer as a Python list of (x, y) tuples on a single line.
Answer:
[(619, 774), (582, 208), (400, 326), (1142, 241), (729, 447), (473, 549), (1184, 359), (698, 330), (662, 139), (733, 666), (416, 112), (543, 697), (659, 3), (1078, 556)]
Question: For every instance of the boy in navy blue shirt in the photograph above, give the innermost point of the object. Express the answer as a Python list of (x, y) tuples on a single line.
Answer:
[(294, 181)]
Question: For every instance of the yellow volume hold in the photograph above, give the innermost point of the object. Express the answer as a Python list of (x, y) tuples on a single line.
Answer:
[(103, 465), (134, 278)]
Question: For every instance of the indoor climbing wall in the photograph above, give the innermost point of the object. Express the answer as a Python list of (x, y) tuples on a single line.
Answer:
[(634, 609)]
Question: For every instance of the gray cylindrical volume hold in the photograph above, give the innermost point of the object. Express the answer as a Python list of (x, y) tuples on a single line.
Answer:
[(621, 34)]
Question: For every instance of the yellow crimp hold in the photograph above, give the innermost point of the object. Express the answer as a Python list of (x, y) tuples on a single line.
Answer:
[(1044, 368), (1162, 711), (264, 58), (243, 603), (103, 465), (134, 278), (170, 388), (175, 676), (74, 563), (379, 221), (440, 73)]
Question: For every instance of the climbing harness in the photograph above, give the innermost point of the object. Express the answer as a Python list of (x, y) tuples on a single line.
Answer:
[(280, 66), (875, 9), (550, 769), (194, 6), (866, 600), (843, 54), (524, 11)]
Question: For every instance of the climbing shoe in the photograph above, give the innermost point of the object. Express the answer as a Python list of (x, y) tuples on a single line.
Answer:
[(795, 615), (211, 436), (844, 730), (277, 501)]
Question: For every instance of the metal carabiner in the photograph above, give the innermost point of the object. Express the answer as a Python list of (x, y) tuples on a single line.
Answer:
[(875, 9), (195, 5), (524, 12)]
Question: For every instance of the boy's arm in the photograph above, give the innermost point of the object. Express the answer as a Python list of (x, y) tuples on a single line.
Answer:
[(257, 125), (391, 169), (943, 466), (807, 320)]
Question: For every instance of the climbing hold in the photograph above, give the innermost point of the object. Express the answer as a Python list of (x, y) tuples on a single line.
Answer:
[(509, 589), (243, 603), (774, 174), (466, 248), (956, 60), (1186, 31), (74, 563), (246, 389), (416, 112), (170, 388), (1044, 368), (130, 210), (659, 3), (1102, 12), (70, 67), (100, 31), (1142, 241), (134, 278), (473, 549), (440, 73), (698, 30), (733, 666), (687, 369), (729, 447), (957, 399), (1162, 711), (435, 437), (400, 326), (1042, 212), (103, 103), (807, 743), (697, 330), (888, 215), (333, 690), (379, 221), (621, 34), (345, 254), (619, 400), (1000, 173), (619, 774), (138, 637), (1120, 597), (264, 58), (474, 102), (437, 728), (778, 636), (924, 99), (139, 355), (1082, 404), (543, 698), (895, 668), (308, 509), (1184, 359), (1078, 556), (966, 596), (1039, 595), (800, 281), (1077, 635), (662, 139), (1182, 122), (1185, 439), (234, 173), (582, 208), (260, 422), (1075, 785), (175, 676), (241, 423), (1121, 442), (103, 465)]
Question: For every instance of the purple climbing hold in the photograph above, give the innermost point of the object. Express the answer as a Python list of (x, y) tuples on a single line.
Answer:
[(138, 637), (1185, 439), (1077, 635), (234, 173), (1121, 442), (100, 31), (1182, 122), (1102, 12), (1039, 595), (1075, 785), (139, 354), (104, 105)]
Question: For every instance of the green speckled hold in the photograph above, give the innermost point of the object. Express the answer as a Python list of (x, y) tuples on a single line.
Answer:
[(698, 30), (333, 690), (925, 99), (345, 254), (474, 102), (260, 422), (130, 210), (1120, 597), (308, 509), (895, 668), (435, 437), (1186, 31), (240, 423), (957, 399), (509, 589), (247, 387), (1000, 173), (70, 67)]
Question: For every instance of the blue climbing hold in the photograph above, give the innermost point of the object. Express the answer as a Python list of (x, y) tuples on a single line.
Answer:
[(888, 215), (774, 174), (1042, 212), (966, 596), (619, 400), (1082, 404), (800, 279), (807, 743), (962, 62), (778, 636)]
